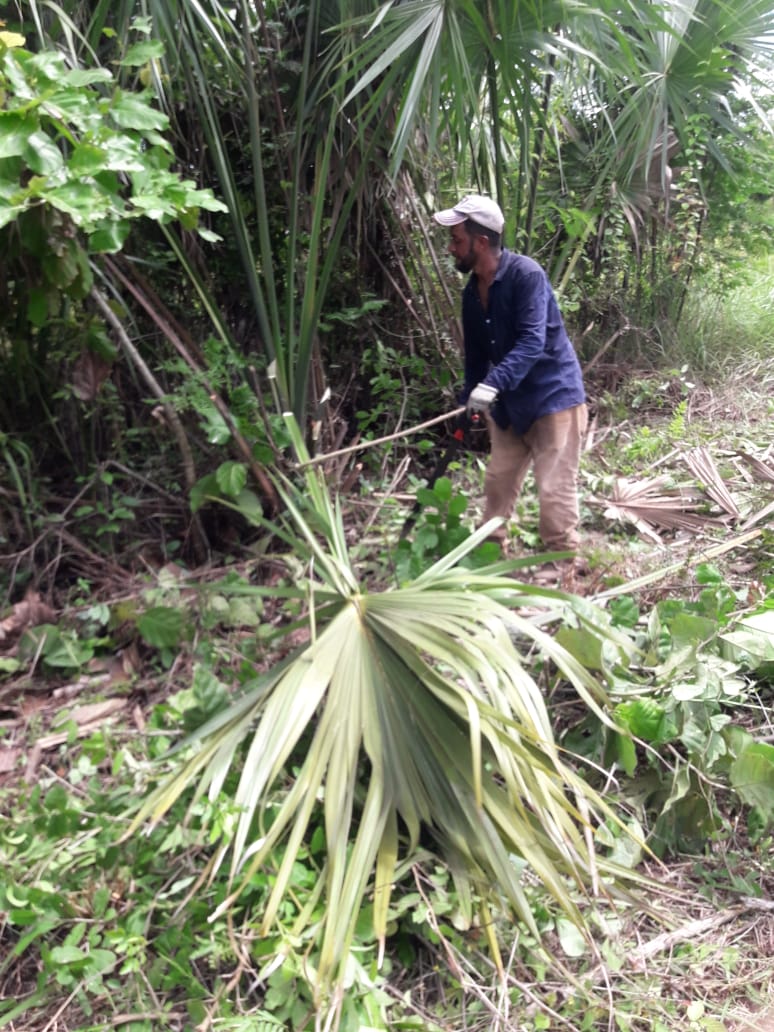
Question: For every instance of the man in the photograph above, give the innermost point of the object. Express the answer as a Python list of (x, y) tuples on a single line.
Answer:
[(522, 372)]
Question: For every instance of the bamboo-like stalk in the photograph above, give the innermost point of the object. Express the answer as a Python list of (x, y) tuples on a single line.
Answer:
[(176, 427)]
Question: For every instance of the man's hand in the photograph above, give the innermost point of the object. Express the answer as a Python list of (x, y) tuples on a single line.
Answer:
[(481, 399)]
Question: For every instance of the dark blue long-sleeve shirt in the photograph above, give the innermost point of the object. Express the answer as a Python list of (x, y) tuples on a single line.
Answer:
[(519, 345)]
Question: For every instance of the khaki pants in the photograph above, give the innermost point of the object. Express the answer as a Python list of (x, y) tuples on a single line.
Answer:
[(552, 445)]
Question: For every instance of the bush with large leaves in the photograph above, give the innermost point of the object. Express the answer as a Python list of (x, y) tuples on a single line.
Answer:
[(407, 709)]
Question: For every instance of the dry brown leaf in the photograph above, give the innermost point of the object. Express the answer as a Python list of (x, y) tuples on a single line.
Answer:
[(30, 612), (89, 373), (625, 515), (91, 712), (88, 718), (139, 719), (8, 759)]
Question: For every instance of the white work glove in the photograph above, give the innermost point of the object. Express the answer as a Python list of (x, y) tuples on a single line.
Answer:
[(481, 399)]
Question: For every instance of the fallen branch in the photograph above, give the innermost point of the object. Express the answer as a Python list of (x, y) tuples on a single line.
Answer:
[(694, 929)]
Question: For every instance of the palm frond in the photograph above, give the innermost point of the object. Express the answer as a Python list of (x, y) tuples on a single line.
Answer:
[(416, 711)]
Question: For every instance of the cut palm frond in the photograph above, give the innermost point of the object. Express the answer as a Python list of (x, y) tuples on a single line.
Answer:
[(759, 517), (763, 470), (703, 467), (655, 502), (409, 713)]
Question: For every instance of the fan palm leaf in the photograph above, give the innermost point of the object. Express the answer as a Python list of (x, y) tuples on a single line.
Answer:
[(408, 709)]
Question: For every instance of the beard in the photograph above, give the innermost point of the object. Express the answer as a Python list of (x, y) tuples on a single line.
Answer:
[(466, 262)]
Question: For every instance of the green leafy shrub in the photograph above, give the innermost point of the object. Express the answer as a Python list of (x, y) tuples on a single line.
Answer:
[(684, 705), (437, 528)]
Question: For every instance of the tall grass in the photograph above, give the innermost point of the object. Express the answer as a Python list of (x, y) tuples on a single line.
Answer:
[(727, 326)]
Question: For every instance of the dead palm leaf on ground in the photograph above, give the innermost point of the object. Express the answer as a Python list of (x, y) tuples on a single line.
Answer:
[(657, 503), (763, 470), (703, 467)]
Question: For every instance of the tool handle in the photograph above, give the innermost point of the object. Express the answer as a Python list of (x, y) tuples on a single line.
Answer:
[(382, 440)]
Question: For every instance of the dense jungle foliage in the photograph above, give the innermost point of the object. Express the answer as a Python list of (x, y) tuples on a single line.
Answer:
[(266, 761)]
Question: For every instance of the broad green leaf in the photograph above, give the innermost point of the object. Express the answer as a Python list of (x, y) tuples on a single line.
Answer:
[(626, 753), (61, 269), (249, 504), (76, 107), (752, 640), (583, 644), (203, 490), (100, 961), (426, 497), (162, 626), (243, 613), (68, 653), (68, 955), (15, 130), (752, 775), (624, 611), (687, 628), (685, 692), (9, 214), (48, 65), (217, 429), (693, 734), (86, 159), (10, 177), (140, 53), (231, 478), (457, 505), (42, 155), (109, 236), (205, 199), (707, 574), (643, 717), (84, 204), (99, 342), (737, 739), (37, 306), (627, 849), (571, 938), (695, 1011), (134, 111), (122, 154), (35, 640), (442, 489), (81, 77)]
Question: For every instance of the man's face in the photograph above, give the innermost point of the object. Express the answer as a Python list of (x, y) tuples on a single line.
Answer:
[(461, 249)]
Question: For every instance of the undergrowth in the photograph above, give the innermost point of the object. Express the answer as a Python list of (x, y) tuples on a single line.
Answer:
[(100, 930)]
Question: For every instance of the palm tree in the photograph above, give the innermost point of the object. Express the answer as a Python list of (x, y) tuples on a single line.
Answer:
[(493, 84), (322, 121)]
